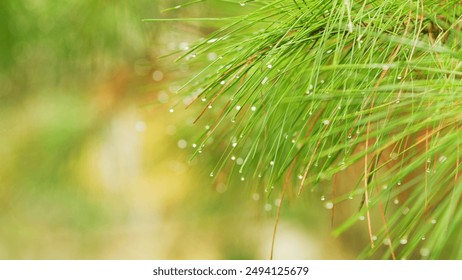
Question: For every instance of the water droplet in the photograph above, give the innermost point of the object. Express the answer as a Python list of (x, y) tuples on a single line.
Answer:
[(270, 66), (140, 126), (268, 207), (234, 145), (242, 4), (183, 45), (233, 158), (157, 76), (387, 241), (329, 51), (434, 221), (253, 108), (242, 179), (442, 159), (399, 77), (239, 161), (256, 196), (424, 252), (272, 162), (403, 241), (223, 82), (374, 237), (210, 106), (264, 80), (322, 81), (211, 56), (211, 174), (323, 198), (163, 97), (362, 218), (300, 176), (194, 145), (350, 196), (329, 205), (182, 144), (277, 202), (326, 122), (396, 201), (238, 107), (399, 183), (171, 110)]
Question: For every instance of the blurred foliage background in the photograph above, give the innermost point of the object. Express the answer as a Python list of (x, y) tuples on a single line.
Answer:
[(92, 164)]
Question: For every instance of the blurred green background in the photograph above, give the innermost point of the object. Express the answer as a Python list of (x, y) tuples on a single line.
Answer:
[(93, 166)]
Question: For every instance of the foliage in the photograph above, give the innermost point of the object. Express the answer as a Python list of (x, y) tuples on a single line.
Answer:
[(51, 55), (295, 93)]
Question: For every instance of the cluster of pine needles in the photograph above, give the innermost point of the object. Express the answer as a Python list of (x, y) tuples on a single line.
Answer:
[(303, 91)]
